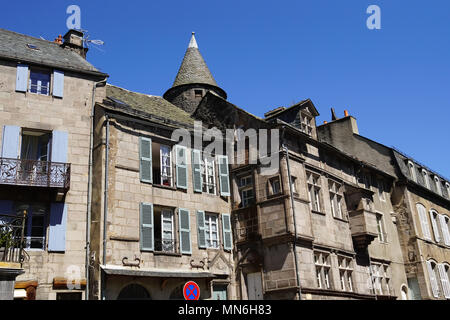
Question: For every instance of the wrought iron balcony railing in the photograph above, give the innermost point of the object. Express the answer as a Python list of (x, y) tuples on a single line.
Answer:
[(165, 245), (12, 239), (34, 173)]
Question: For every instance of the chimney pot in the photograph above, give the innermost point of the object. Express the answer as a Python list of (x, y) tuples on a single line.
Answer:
[(346, 113), (325, 122)]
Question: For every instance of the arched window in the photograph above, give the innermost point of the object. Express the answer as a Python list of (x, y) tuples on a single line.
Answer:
[(434, 223), (423, 221), (445, 228), (444, 275), (432, 275), (134, 292)]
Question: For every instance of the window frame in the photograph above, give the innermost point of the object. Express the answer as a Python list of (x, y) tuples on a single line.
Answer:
[(38, 70), (246, 201), (209, 231), (314, 191), (170, 175), (336, 197), (381, 228), (322, 266), (205, 165), (346, 273)]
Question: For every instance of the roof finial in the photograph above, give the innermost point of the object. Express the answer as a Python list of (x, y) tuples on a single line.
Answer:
[(193, 42)]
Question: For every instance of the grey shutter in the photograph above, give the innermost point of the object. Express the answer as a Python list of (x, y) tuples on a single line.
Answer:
[(226, 230), (145, 163), (444, 228), (10, 142), (58, 83), (181, 164), (59, 146), (223, 176), (201, 229), (22, 78), (197, 170), (433, 280), (444, 280), (424, 221), (185, 231), (57, 228), (434, 225), (147, 230)]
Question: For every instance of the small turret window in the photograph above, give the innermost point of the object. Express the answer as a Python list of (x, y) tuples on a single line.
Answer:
[(198, 93)]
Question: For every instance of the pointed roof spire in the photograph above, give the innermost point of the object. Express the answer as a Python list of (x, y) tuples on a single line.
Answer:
[(193, 42)]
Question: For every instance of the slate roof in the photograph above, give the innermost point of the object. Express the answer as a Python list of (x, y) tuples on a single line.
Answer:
[(156, 107), (15, 46)]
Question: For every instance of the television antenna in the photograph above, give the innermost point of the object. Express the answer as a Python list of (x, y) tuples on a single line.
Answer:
[(87, 42)]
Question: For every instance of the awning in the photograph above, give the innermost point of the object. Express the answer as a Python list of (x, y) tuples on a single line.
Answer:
[(20, 293), (155, 273)]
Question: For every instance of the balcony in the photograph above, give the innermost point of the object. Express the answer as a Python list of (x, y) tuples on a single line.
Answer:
[(35, 173), (12, 239), (246, 224), (363, 225)]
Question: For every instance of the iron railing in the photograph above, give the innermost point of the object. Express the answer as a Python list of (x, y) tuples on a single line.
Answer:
[(165, 245), (12, 240), (34, 173)]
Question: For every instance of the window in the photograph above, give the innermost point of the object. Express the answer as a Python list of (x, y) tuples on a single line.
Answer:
[(380, 187), (381, 278), (35, 145), (39, 82), (294, 184), (434, 224), (164, 229), (432, 274), (425, 178), (314, 191), (211, 231), (306, 124), (246, 190), (162, 164), (209, 176), (198, 93), (447, 186), (424, 221), (382, 236), (444, 275), (322, 263), (444, 222), (35, 225), (336, 199), (366, 179), (412, 171), (437, 181), (274, 186), (345, 273)]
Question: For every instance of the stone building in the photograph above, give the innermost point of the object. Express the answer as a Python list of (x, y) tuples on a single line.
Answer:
[(161, 210), (46, 103), (421, 209)]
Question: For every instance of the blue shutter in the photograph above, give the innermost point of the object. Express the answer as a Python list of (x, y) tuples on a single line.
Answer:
[(147, 236), (185, 231), (201, 229), (197, 170), (10, 142), (226, 230), (223, 176), (59, 146), (58, 83), (57, 232), (181, 164), (22, 78), (145, 156)]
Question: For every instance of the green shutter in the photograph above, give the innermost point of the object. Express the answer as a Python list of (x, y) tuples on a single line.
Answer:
[(223, 176), (201, 229), (181, 162), (185, 231), (226, 229), (197, 170), (145, 155), (146, 230)]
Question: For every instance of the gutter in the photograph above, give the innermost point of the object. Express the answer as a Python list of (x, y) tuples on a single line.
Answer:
[(105, 203)]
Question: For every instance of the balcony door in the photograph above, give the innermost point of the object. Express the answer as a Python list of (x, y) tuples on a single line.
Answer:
[(35, 152)]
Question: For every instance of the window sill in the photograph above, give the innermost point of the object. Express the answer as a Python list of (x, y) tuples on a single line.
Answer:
[(318, 212), (340, 219), (163, 253), (161, 186)]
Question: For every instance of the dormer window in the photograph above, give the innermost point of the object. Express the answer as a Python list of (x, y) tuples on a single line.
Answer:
[(438, 185), (425, 178), (306, 124), (447, 186), (412, 171)]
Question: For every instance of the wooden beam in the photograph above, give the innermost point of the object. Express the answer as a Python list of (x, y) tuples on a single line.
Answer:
[(63, 283)]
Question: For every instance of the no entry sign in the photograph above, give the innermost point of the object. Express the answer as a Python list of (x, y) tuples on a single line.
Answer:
[(191, 291)]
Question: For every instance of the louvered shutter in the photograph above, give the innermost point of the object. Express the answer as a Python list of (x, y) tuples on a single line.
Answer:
[(444, 228), (145, 155), (197, 170), (201, 229), (60, 141), (424, 222), (437, 236), (146, 236), (57, 227), (10, 142), (433, 280), (22, 78), (181, 163), (444, 280), (185, 231), (58, 83), (226, 230), (224, 176)]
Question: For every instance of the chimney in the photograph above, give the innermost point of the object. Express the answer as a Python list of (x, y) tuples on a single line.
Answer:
[(346, 113), (59, 40), (73, 40)]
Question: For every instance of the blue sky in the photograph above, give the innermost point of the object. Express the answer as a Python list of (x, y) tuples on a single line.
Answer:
[(267, 54)]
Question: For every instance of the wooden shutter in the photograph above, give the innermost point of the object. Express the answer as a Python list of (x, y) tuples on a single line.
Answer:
[(57, 228), (145, 163), (58, 83), (424, 221), (223, 176), (10, 142), (444, 228), (444, 280), (22, 78), (197, 170), (147, 230), (433, 280), (185, 231), (181, 164), (226, 230), (59, 146), (434, 225), (201, 229)]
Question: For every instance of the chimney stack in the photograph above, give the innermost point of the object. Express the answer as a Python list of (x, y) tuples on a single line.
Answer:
[(73, 40)]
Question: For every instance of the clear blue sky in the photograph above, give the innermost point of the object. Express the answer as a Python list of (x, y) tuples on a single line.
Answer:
[(266, 54)]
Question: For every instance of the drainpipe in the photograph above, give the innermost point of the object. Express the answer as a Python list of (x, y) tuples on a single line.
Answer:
[(89, 196), (105, 203), (285, 148)]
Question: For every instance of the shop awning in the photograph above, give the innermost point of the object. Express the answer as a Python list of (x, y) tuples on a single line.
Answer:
[(155, 273)]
